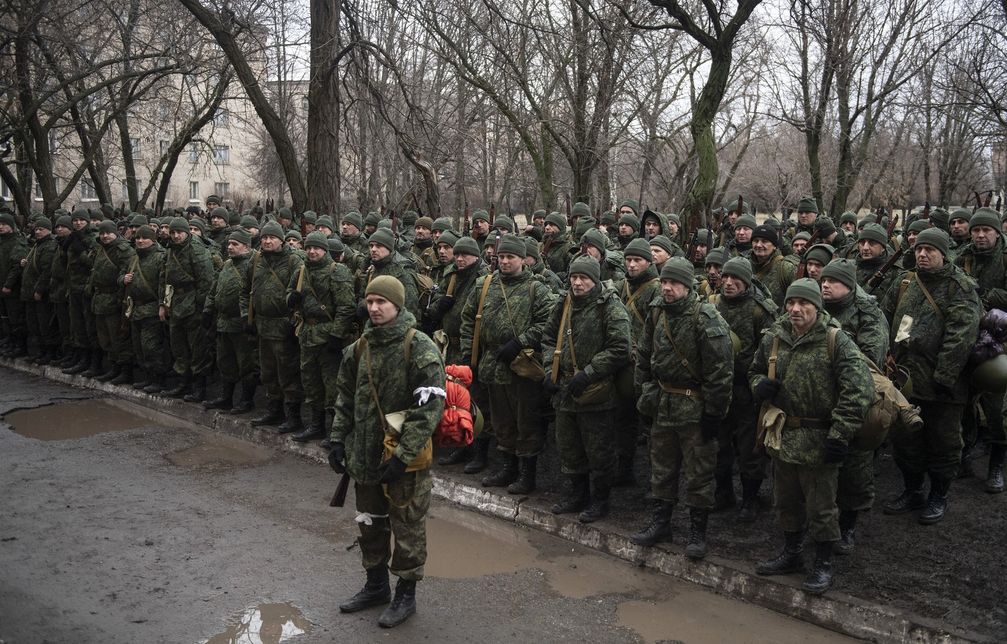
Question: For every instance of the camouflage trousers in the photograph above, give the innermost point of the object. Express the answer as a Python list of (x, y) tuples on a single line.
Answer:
[(983, 419), (12, 316), (585, 441), (62, 313), (805, 497), (737, 438), (189, 345), (279, 369), (113, 337), (401, 514), (630, 421), (856, 481), (148, 345), (85, 336), (676, 448), (40, 322), (937, 447), (236, 358), (319, 368), (516, 420)]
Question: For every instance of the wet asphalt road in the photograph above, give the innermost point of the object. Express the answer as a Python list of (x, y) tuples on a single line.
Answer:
[(164, 532)]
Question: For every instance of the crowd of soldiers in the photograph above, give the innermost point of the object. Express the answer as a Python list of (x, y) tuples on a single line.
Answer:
[(608, 330)]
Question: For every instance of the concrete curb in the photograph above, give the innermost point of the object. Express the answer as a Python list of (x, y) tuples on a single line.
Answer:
[(836, 611)]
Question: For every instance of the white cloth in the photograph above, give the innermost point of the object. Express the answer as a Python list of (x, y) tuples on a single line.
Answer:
[(423, 394)]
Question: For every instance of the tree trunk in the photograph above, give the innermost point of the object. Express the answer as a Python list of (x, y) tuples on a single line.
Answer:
[(323, 107)]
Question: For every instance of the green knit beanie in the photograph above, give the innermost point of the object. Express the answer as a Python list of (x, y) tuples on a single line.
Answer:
[(678, 269), (586, 265), (806, 289), (389, 288)]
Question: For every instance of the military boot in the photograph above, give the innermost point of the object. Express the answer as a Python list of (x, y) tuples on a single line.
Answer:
[(995, 474), (460, 455), (696, 547), (180, 388), (315, 428), (125, 375), (937, 500), (20, 348), (114, 371), (723, 496), (81, 364), (480, 458), (375, 592), (575, 497), (274, 414), (224, 400), (599, 507), (525, 484), (506, 475), (198, 390), (292, 418), (156, 385), (820, 578), (788, 561), (659, 528), (403, 604), (749, 500), (911, 498), (70, 357), (847, 533), (94, 366), (142, 381), (246, 402)]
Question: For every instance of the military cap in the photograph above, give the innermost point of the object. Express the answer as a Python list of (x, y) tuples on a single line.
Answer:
[(424, 222), (805, 235), (848, 217), (919, 225), (138, 220), (389, 288), (318, 240), (631, 204), (843, 270), (326, 221), (940, 217), (64, 221), (41, 221), (868, 219), (595, 238), (146, 232), (638, 248), (442, 224), (705, 237), (674, 219), (249, 221), (821, 253), (271, 229), (447, 237), (335, 245), (284, 213), (586, 265), (960, 213), (583, 225), (198, 223), (466, 246), (580, 209), (985, 217), (178, 224), (556, 220), (678, 269), (664, 243), (383, 237), (746, 220), (219, 212), (296, 234), (213, 199), (807, 204), (766, 232), (732, 206), (409, 218), (81, 213), (385, 223), (773, 223), (107, 226), (739, 267), (505, 222), (531, 247), (371, 219), (480, 215), (806, 289), (309, 216), (538, 213), (512, 244), (609, 218), (875, 233), (630, 220), (233, 218), (717, 256), (825, 226), (241, 236)]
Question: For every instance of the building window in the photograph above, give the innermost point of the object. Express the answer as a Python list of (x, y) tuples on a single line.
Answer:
[(221, 154), (222, 117), (87, 192), (37, 191), (134, 144), (222, 190), (194, 191), (193, 152)]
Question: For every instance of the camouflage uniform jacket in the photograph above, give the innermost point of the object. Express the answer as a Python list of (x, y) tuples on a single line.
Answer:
[(866, 268), (396, 266), (464, 280), (546, 276), (936, 344), (37, 271), (58, 285), (104, 285), (776, 273), (13, 248), (836, 390), (357, 420), (989, 270), (188, 269), (686, 331), (327, 306), (862, 319), (356, 242), (266, 292), (146, 266), (558, 257), (749, 315), (636, 294), (599, 332), (224, 300), (522, 313)]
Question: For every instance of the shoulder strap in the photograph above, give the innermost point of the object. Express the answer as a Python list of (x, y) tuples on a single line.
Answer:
[(904, 286), (674, 346), (773, 357), (474, 362), (450, 290), (832, 343), (631, 300), (558, 353)]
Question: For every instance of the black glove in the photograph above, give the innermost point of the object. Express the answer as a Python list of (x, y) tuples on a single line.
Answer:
[(766, 389), (509, 351), (207, 320), (249, 327), (944, 391), (362, 314), (294, 299), (550, 386), (392, 470), (334, 345), (337, 458), (709, 427), (444, 304), (577, 384), (835, 450)]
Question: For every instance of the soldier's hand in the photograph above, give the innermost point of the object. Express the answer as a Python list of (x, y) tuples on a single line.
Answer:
[(127, 279), (577, 384), (444, 304), (391, 470), (249, 327), (550, 386), (294, 299), (337, 458), (766, 389), (709, 427), (509, 351), (207, 320), (162, 313), (835, 450)]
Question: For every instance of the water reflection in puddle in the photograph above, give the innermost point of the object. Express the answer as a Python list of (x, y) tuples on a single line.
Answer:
[(70, 420), (264, 624)]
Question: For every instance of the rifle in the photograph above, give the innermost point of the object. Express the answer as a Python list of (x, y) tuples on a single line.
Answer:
[(493, 213), (412, 193), (891, 224), (999, 198), (339, 498), (395, 226), (979, 202), (466, 224), (875, 280), (989, 198), (690, 247), (569, 214), (495, 261)]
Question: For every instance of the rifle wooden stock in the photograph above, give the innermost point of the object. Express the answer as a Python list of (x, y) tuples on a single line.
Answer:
[(339, 498), (879, 276)]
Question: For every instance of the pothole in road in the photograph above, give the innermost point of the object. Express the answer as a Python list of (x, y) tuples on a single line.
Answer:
[(71, 420), (219, 452), (264, 624)]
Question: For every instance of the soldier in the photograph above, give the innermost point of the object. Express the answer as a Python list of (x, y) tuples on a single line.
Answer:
[(588, 339), (13, 248), (391, 368), (185, 282), (768, 263), (629, 229), (807, 214), (848, 222), (748, 314), (140, 279), (822, 383), (800, 243), (59, 295), (112, 257), (983, 259), (959, 226), (872, 245), (713, 272), (934, 315), (611, 262), (36, 272), (423, 243), (370, 224), (385, 260), (79, 259), (663, 249), (222, 313), (816, 258), (263, 305), (219, 230), (444, 255), (480, 227), (533, 260), (862, 319), (506, 313), (294, 240), (556, 247), (684, 369), (741, 243), (321, 293)]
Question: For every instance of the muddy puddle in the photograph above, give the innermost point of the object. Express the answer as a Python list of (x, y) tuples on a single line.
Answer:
[(71, 420), (219, 452), (264, 624), (463, 545)]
